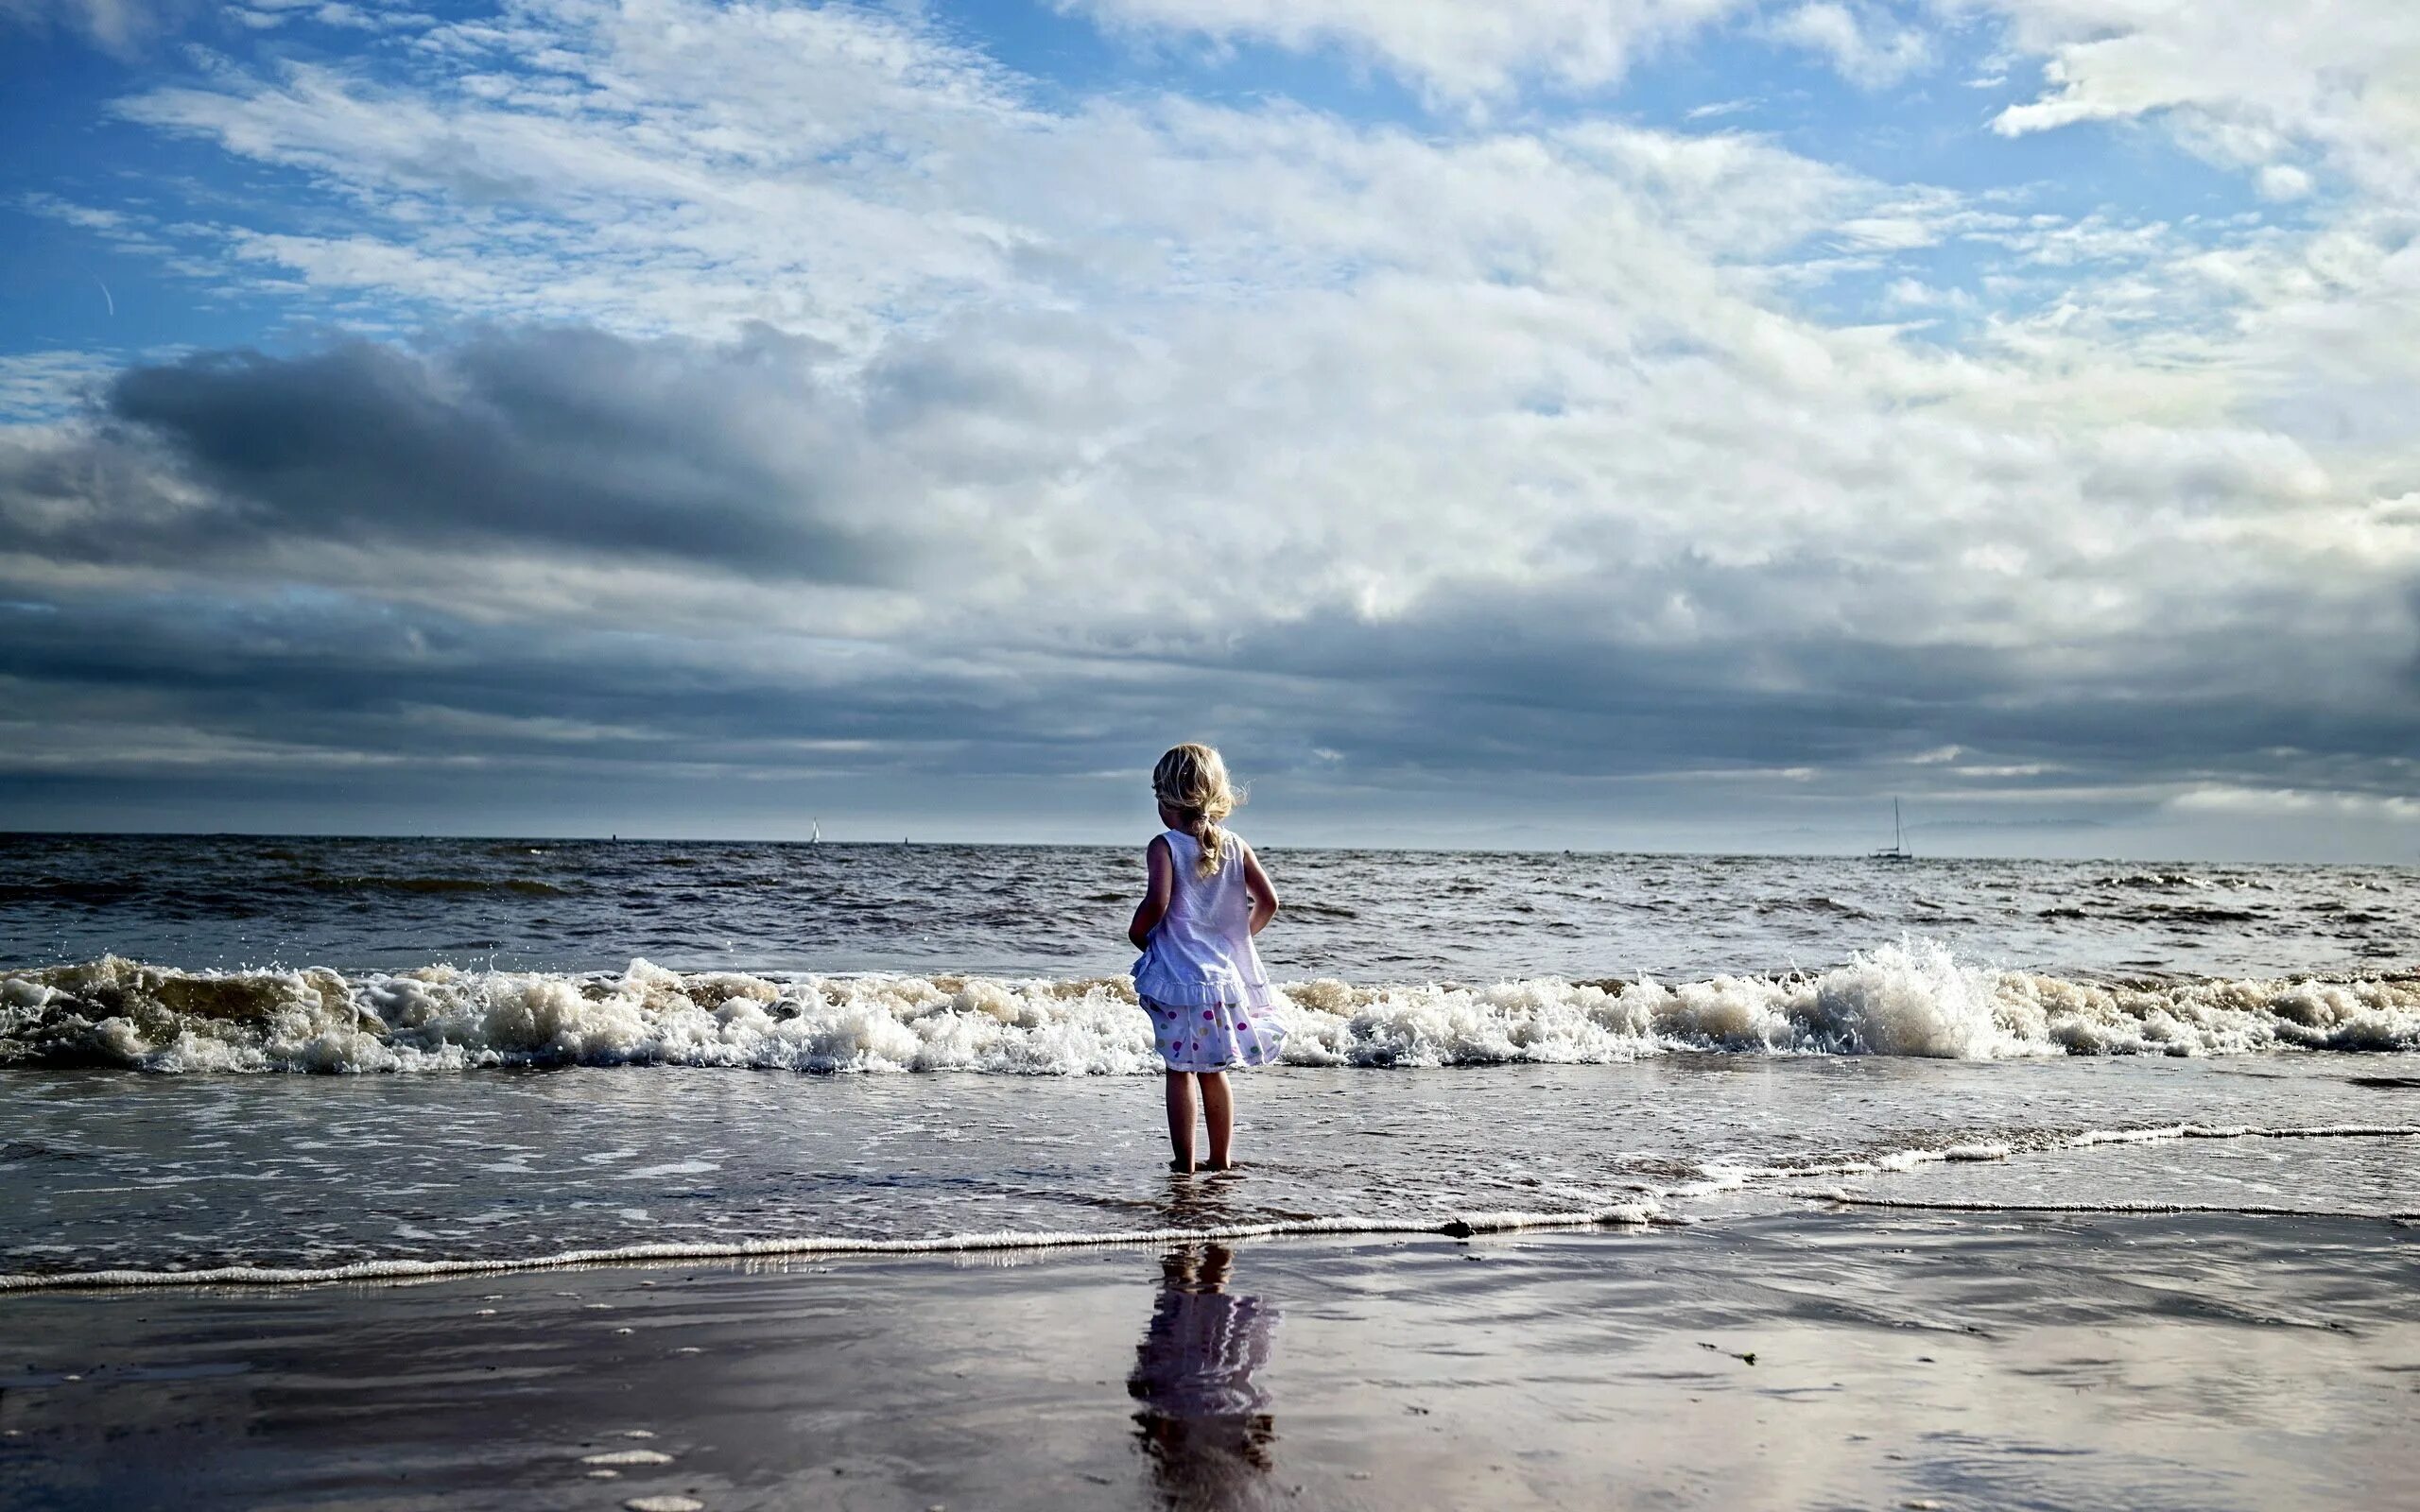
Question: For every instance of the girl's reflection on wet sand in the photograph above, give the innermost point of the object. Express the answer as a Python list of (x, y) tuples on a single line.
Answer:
[(1204, 1420)]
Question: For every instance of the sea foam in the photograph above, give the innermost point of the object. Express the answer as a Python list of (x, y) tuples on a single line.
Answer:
[(1909, 999), (1461, 1226)]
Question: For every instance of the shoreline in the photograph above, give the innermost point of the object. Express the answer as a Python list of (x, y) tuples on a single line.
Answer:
[(1647, 1210)]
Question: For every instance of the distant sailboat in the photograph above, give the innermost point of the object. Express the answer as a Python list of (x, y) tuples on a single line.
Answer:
[(815, 832), (1898, 851)]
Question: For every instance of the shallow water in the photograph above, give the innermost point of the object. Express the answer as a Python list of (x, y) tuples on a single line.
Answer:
[(109, 1171), (1546, 1037)]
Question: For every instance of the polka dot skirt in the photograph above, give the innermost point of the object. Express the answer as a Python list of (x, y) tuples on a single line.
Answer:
[(1213, 1036)]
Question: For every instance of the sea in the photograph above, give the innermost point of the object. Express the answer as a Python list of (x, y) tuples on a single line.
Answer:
[(278, 1059)]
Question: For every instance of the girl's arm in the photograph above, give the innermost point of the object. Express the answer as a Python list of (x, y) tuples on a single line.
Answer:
[(1156, 893), (1264, 895)]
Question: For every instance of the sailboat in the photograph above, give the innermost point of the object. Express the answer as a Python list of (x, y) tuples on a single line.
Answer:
[(815, 832), (1898, 851)]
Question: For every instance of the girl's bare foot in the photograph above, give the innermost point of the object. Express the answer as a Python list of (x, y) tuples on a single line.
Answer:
[(1183, 1167), (1224, 1165)]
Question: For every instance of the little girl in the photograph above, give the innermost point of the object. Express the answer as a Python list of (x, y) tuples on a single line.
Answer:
[(1200, 977)]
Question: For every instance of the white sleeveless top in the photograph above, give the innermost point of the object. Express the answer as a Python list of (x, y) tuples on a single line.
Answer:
[(1202, 953)]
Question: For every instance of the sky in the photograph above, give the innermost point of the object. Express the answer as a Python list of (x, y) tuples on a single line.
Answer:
[(1669, 424)]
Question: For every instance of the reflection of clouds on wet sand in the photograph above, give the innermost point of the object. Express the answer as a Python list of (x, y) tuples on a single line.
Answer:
[(1203, 1419)]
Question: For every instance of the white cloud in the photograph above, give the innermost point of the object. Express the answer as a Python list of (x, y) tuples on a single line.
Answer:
[(1865, 45), (2314, 332), (2247, 82), (1451, 48), (2298, 802), (119, 27), (2280, 181), (40, 385)]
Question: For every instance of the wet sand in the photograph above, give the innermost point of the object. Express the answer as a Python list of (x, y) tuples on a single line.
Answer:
[(1820, 1359)]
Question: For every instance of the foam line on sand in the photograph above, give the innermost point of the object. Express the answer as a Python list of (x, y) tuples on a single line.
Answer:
[(2244, 1131), (2248, 1210), (1460, 1226)]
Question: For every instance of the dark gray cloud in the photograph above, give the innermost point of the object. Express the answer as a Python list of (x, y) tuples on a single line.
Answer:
[(739, 456), (1452, 710), (1552, 680)]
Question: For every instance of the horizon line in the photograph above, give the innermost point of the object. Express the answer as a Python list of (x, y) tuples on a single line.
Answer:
[(612, 838)]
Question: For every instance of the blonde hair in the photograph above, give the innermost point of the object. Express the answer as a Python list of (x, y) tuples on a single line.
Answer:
[(1192, 779)]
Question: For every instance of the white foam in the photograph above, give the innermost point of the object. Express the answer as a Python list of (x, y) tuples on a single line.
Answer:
[(1463, 1226), (2242, 1131), (1910, 999), (1857, 1199), (1909, 1159)]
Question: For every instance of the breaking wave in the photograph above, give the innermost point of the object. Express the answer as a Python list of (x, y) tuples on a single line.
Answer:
[(1912, 999)]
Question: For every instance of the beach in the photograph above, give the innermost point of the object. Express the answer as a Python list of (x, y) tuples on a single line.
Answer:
[(1814, 1360)]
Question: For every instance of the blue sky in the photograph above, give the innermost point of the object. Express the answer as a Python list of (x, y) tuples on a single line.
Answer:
[(1681, 423)]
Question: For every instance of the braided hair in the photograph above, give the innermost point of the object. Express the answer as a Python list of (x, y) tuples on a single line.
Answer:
[(1192, 779)]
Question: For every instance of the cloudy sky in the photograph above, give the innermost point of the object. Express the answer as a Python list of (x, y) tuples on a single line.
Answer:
[(1670, 423)]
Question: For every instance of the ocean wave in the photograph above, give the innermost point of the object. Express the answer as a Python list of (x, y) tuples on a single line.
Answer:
[(92, 893), (524, 887), (2189, 914), (1910, 998), (2152, 879), (1817, 904)]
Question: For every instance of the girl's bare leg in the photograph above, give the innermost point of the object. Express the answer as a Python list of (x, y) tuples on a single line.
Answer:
[(1219, 1107), (1181, 1118)]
